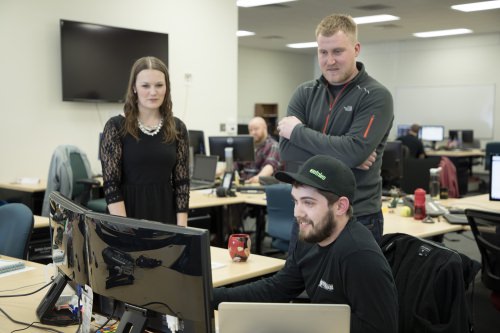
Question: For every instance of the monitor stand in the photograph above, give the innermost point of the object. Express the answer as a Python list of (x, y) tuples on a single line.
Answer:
[(133, 320), (45, 310)]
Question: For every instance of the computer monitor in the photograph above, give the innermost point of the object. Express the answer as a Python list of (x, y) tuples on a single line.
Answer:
[(197, 142), (464, 136), (154, 268), (68, 254), (392, 166), (403, 130), (243, 149), (242, 129), (468, 136), (494, 177), (433, 133)]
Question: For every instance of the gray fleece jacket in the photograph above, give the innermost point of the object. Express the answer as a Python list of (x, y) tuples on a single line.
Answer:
[(350, 129)]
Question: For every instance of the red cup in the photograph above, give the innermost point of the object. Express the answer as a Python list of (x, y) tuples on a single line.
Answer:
[(239, 247)]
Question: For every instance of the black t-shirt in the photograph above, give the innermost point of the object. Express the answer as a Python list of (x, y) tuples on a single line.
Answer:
[(414, 144), (352, 270)]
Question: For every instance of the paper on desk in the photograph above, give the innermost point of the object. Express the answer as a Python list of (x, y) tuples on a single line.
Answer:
[(27, 181), (216, 265)]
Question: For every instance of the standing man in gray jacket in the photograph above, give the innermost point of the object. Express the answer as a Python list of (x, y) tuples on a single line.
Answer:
[(345, 114)]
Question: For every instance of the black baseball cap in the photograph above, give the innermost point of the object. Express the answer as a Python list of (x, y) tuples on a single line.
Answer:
[(325, 173)]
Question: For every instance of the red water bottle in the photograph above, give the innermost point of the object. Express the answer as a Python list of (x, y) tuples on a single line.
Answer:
[(419, 204)]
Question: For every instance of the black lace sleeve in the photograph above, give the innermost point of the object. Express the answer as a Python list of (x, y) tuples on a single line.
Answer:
[(181, 170), (111, 159)]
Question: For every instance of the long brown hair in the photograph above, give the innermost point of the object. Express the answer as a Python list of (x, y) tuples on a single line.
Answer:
[(132, 111)]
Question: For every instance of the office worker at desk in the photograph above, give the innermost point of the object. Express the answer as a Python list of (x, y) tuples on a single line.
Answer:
[(267, 158), (336, 260), (345, 114), (145, 152), (414, 144)]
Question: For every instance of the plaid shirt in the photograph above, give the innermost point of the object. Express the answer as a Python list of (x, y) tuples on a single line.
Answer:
[(265, 153)]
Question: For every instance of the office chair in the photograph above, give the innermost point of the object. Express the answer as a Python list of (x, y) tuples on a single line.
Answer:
[(491, 148), (431, 281), (70, 174), (280, 218), (416, 173), (485, 227), (16, 225)]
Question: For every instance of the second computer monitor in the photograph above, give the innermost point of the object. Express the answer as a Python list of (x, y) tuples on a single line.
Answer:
[(431, 133), (403, 130), (243, 149), (197, 142)]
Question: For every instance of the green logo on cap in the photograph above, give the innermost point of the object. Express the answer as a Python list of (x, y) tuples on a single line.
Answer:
[(317, 174)]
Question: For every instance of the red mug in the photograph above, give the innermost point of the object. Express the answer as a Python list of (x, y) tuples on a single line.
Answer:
[(239, 247)]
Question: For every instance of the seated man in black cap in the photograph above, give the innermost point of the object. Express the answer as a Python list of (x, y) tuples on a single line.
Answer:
[(336, 260)]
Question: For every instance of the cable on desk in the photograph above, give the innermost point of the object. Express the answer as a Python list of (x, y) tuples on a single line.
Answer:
[(50, 329), (28, 294), (29, 285)]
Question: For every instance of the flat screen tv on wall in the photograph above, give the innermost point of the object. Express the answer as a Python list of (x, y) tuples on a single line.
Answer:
[(96, 59)]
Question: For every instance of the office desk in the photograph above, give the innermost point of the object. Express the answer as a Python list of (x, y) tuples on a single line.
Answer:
[(394, 223), (456, 153), (480, 202), (23, 308), (29, 194)]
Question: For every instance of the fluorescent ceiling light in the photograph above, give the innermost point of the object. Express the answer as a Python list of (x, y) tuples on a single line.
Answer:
[(256, 3), (375, 19), (302, 45), (441, 33), (243, 33), (476, 6), (358, 20)]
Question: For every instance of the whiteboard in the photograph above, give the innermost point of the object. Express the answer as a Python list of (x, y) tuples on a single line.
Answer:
[(454, 107)]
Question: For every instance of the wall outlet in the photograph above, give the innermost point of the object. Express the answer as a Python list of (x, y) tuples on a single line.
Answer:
[(222, 127)]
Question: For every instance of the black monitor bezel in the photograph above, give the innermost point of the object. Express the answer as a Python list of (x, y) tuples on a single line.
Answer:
[(243, 147)]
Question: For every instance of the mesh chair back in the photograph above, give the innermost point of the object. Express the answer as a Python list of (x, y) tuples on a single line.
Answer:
[(486, 229)]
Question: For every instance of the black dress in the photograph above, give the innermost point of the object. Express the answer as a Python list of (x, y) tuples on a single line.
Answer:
[(149, 175)]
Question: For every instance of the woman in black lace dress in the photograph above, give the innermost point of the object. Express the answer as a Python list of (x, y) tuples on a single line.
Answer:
[(145, 151)]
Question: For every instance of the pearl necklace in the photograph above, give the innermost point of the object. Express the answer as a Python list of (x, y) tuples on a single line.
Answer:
[(150, 130)]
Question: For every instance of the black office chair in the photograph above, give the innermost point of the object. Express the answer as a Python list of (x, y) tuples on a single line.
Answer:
[(416, 173), (70, 174), (485, 227), (280, 218), (16, 226), (431, 281), (491, 148)]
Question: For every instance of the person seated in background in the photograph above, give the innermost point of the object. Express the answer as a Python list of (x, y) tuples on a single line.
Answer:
[(267, 159), (336, 260), (414, 144)]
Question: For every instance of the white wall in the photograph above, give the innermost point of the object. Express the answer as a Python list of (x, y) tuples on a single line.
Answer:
[(269, 77), (34, 120), (471, 60)]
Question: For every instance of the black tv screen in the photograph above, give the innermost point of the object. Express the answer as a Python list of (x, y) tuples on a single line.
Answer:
[(96, 59)]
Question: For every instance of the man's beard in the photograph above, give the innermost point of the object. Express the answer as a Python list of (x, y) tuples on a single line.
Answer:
[(320, 230)]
